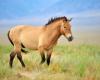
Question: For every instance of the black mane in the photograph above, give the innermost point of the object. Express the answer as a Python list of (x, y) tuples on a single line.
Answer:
[(55, 19)]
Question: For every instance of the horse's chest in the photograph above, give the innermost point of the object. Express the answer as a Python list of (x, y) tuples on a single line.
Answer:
[(47, 41)]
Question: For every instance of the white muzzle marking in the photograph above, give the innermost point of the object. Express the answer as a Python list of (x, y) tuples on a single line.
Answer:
[(68, 36)]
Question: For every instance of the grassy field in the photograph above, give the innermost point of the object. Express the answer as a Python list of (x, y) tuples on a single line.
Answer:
[(68, 62)]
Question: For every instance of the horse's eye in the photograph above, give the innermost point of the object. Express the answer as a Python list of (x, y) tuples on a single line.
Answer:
[(64, 27)]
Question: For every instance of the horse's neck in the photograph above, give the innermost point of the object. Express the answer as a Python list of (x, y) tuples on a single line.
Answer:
[(54, 36), (53, 29), (53, 33)]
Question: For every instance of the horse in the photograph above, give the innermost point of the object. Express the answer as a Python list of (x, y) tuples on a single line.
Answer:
[(41, 38)]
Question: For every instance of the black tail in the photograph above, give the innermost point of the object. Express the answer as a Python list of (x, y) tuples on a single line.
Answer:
[(13, 43), (10, 38)]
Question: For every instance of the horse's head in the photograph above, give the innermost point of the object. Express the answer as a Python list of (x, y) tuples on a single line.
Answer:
[(66, 29)]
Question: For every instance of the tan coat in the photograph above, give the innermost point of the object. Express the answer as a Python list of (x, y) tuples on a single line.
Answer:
[(42, 38)]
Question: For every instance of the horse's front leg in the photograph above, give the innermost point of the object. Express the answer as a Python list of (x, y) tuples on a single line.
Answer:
[(49, 56), (42, 55), (42, 58)]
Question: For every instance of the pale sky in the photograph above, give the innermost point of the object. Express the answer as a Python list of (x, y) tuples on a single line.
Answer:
[(38, 12)]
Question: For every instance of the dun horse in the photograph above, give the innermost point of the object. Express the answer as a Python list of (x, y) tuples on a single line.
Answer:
[(41, 38)]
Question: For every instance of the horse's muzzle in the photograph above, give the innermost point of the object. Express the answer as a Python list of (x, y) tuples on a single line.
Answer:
[(70, 38)]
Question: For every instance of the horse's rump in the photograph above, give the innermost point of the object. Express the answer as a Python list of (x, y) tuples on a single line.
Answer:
[(25, 35)]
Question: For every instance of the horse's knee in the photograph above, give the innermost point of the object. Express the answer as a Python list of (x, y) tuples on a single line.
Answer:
[(12, 55)]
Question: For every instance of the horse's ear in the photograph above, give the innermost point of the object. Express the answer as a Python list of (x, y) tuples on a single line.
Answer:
[(70, 19)]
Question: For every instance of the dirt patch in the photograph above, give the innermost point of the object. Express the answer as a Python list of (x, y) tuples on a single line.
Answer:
[(30, 75)]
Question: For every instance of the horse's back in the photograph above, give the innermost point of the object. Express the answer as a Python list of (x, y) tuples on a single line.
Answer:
[(26, 35)]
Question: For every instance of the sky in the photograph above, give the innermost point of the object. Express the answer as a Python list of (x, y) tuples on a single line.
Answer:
[(38, 12), (85, 14)]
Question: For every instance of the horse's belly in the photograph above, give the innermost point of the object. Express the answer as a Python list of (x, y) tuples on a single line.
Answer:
[(30, 43)]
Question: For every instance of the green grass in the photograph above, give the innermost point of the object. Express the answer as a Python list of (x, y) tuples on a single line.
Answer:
[(68, 62)]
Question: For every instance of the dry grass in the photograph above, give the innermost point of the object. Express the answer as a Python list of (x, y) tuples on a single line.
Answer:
[(71, 62)]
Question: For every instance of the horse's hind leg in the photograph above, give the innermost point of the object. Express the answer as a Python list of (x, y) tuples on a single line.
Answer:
[(12, 55), (17, 49), (24, 51), (19, 56)]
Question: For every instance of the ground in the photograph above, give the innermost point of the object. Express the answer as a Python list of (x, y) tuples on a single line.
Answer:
[(68, 62)]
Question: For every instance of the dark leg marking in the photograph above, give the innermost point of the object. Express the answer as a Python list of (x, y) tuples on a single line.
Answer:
[(24, 51), (48, 59), (19, 56), (12, 55), (42, 58)]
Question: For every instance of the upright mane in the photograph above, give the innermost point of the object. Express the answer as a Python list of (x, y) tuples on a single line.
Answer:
[(55, 19)]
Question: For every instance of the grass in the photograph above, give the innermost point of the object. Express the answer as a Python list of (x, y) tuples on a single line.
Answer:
[(68, 62)]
